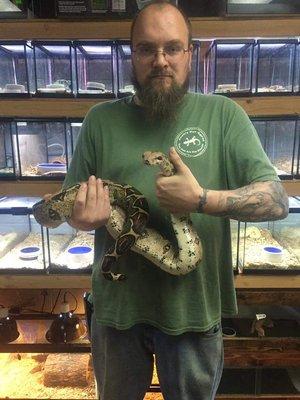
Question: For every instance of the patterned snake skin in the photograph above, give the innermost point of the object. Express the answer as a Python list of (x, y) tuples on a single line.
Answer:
[(128, 225)]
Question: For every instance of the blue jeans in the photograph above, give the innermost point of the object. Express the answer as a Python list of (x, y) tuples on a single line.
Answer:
[(189, 366)]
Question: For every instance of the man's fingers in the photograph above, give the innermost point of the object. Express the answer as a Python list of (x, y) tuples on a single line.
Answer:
[(91, 197), (80, 200)]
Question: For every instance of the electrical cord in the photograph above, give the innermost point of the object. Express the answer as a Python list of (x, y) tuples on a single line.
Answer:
[(74, 297)]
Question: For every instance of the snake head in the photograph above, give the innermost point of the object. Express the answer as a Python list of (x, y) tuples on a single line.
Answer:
[(161, 160), (153, 157), (45, 215)]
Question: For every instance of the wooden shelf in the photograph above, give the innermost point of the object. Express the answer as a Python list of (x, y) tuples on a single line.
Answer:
[(282, 296), (39, 188), (28, 188), (267, 281), (268, 352), (34, 107), (239, 352), (203, 28), (242, 282)]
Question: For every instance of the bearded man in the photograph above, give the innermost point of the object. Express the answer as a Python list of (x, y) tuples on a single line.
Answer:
[(221, 173)]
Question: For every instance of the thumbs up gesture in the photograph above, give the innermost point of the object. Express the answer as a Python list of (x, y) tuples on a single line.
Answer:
[(179, 193)]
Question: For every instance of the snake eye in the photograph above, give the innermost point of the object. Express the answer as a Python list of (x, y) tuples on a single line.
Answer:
[(159, 158)]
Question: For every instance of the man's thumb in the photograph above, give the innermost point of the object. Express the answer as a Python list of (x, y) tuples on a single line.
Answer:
[(176, 160)]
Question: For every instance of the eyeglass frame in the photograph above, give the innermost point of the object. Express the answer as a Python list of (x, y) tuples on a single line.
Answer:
[(157, 51)]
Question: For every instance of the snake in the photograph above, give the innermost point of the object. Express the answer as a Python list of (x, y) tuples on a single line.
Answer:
[(127, 225)]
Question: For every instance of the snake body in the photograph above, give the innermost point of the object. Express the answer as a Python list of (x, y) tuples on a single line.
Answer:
[(128, 225)]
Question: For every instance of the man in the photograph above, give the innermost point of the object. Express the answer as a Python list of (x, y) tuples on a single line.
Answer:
[(221, 173)]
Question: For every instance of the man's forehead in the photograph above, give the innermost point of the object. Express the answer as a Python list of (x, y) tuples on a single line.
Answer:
[(164, 17)]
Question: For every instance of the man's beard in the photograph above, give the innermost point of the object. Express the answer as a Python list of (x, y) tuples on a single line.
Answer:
[(160, 103)]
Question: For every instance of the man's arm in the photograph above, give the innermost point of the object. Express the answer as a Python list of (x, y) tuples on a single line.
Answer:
[(258, 201)]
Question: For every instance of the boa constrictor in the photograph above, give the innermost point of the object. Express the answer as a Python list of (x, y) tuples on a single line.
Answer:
[(128, 225)]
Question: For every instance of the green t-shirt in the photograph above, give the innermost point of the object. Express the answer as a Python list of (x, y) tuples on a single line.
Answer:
[(217, 141)]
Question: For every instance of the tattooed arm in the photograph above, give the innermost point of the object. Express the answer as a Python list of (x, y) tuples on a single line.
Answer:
[(259, 201)]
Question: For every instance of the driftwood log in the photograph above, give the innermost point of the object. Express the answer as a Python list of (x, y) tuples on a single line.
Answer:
[(65, 369)]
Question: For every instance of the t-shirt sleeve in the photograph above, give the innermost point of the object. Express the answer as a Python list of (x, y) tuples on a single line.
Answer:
[(83, 163), (245, 158)]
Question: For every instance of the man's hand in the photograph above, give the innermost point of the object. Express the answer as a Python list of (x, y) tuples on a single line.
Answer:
[(179, 193), (92, 206)]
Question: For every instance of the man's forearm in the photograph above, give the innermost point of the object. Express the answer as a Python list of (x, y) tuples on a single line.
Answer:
[(259, 201)]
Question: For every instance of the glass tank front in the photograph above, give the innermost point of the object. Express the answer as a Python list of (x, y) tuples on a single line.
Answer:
[(42, 148), (70, 250), (54, 68), (296, 168), (73, 131), (234, 233), (7, 159), (124, 69), (228, 66), (297, 69), (16, 62), (274, 66), (94, 69), (278, 138), (194, 76), (22, 238), (271, 247)]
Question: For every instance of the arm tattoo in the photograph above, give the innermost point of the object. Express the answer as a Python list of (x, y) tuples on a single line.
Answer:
[(259, 201), (202, 201)]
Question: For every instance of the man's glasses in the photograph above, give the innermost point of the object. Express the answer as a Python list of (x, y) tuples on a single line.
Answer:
[(170, 52)]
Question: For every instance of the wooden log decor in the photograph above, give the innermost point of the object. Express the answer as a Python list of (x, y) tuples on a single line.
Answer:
[(67, 369)]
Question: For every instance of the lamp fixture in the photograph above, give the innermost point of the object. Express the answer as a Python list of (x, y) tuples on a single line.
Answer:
[(8, 326), (66, 327)]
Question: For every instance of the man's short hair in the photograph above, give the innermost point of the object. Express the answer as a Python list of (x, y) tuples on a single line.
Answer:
[(163, 3)]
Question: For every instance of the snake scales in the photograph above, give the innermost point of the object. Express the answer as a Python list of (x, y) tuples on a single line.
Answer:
[(128, 225)]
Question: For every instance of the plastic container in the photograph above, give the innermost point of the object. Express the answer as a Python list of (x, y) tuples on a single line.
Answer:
[(79, 254), (30, 253), (273, 254)]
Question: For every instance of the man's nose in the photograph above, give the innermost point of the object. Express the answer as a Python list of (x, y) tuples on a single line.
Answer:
[(160, 59)]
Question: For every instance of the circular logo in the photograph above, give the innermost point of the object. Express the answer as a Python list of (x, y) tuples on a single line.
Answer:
[(191, 142)]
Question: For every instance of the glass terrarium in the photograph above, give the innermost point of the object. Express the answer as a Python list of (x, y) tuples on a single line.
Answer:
[(73, 131), (69, 251), (124, 69), (297, 70), (296, 168), (13, 9), (22, 238), (263, 7), (234, 233), (274, 66), (228, 67), (7, 157), (42, 148), (54, 68), (16, 64), (95, 68), (194, 77), (271, 247), (278, 138)]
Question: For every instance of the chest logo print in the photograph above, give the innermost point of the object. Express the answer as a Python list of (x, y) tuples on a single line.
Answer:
[(191, 142)]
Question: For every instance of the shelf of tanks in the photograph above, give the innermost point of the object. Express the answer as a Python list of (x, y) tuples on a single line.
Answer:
[(102, 69), (54, 140), (26, 248), (45, 347)]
